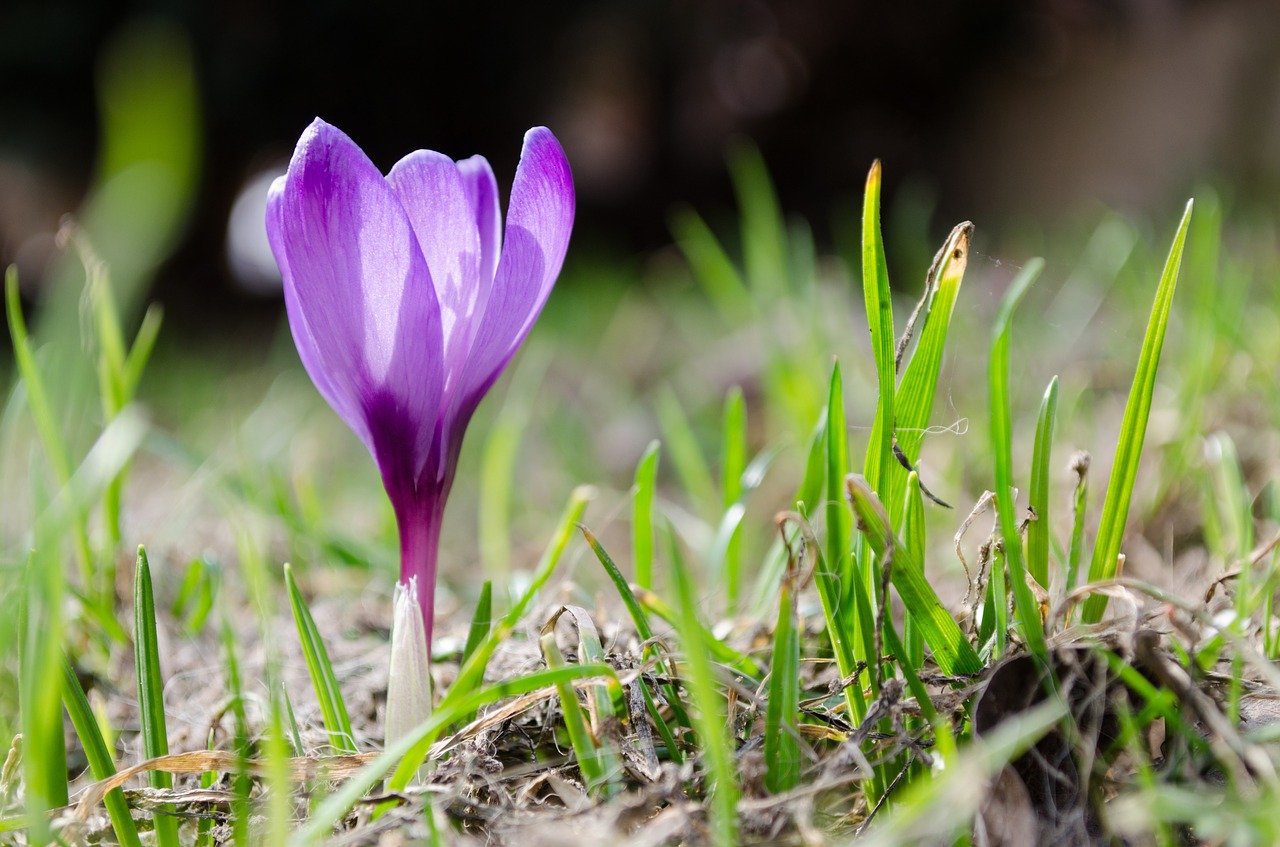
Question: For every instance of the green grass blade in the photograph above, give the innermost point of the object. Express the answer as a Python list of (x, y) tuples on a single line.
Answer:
[(686, 455), (913, 535), (914, 683), (144, 344), (481, 621), (155, 737), (807, 500), (843, 583), (1041, 461), (37, 396), (107, 333), (838, 570), (41, 626), (833, 576), (1001, 447), (712, 267), (295, 734), (951, 650), (764, 235), (642, 514), (815, 469), (913, 404), (204, 826), (638, 617), (55, 448), (1079, 503), (1230, 506), (710, 719), (875, 292), (733, 460), (101, 763), (332, 706), (591, 651), (194, 600), (242, 741), (1133, 430), (590, 759), (782, 715), (995, 614)]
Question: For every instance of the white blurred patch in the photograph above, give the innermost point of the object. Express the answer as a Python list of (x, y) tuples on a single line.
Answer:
[(248, 254)]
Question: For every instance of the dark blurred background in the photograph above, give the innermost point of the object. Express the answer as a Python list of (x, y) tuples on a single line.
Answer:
[(994, 111)]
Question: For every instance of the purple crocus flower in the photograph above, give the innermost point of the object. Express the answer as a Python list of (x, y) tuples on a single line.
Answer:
[(406, 301)]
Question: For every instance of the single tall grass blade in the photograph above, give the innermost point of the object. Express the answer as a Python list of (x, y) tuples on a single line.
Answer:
[(764, 234), (601, 706), (782, 715), (155, 735), (686, 455), (242, 741), (875, 293), (56, 452), (1228, 515), (733, 461), (1001, 428), (101, 762), (481, 621), (1038, 530), (1079, 505), (41, 627), (838, 569), (642, 514), (913, 535), (712, 267), (144, 344), (333, 707), (710, 719), (1133, 430)]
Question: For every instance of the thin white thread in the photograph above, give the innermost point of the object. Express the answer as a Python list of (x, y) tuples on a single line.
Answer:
[(959, 427), (992, 260)]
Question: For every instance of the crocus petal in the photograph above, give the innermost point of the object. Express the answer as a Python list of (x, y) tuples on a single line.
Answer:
[(308, 352), (431, 189), (539, 220), (359, 297), (482, 191)]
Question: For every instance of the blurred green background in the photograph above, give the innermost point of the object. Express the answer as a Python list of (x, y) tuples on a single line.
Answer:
[(999, 112)]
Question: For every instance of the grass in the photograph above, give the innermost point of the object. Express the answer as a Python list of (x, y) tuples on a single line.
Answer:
[(779, 654)]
